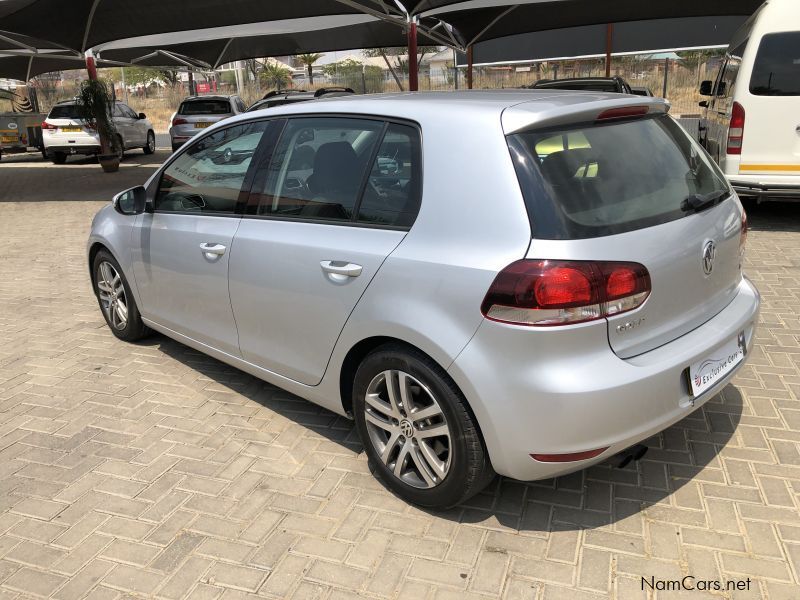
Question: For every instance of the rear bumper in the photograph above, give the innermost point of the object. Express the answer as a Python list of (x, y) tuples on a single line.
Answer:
[(72, 149), (559, 392), (765, 191)]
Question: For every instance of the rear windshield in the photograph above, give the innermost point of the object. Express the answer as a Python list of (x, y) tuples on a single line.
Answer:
[(601, 179), (776, 71), (205, 107), (65, 111)]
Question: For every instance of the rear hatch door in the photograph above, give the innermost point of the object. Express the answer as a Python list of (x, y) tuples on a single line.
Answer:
[(636, 190), (771, 144)]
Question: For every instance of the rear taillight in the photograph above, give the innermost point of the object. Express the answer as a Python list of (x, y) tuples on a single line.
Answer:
[(178, 121), (743, 236), (47, 126), (736, 129), (558, 292)]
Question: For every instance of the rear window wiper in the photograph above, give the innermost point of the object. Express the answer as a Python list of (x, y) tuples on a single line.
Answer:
[(698, 202)]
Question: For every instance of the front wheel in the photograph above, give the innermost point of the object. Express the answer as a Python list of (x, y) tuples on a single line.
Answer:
[(420, 437), (59, 158), (116, 300), (150, 145)]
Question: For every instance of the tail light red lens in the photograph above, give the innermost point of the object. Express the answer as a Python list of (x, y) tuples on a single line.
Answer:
[(556, 292), (47, 126), (736, 129), (570, 457), (178, 121)]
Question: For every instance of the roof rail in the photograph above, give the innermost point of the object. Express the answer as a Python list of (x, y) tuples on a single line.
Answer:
[(274, 93), (328, 90)]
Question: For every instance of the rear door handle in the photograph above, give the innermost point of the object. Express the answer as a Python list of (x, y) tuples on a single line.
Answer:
[(341, 268), (212, 250)]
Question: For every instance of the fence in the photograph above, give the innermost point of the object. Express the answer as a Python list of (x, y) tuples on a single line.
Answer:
[(677, 79)]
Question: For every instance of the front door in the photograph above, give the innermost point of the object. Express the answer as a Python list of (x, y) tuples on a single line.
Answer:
[(336, 198), (184, 245)]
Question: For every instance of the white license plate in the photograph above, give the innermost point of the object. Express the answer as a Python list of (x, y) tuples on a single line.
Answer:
[(707, 372)]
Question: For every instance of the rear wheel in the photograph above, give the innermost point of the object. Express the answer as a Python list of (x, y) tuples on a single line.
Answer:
[(175, 146), (59, 158), (150, 145), (116, 300), (420, 437)]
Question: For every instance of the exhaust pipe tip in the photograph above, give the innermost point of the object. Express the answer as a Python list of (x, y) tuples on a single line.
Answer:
[(624, 458)]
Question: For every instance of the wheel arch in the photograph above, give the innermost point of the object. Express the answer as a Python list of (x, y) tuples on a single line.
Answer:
[(359, 351)]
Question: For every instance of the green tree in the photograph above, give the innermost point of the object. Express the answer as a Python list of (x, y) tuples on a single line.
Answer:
[(274, 75), (385, 53), (308, 61)]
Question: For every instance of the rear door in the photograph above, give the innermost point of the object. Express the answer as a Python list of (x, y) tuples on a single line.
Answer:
[(616, 191), (721, 104), (771, 142), (336, 197), (182, 248)]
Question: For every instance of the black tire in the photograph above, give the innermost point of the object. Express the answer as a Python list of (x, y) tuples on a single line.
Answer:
[(469, 467), (150, 144), (175, 147), (59, 158), (133, 329)]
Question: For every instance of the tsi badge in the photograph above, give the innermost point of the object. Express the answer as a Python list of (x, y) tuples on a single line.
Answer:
[(632, 324)]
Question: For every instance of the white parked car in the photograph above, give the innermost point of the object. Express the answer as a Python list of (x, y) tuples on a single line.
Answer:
[(64, 132), (752, 120)]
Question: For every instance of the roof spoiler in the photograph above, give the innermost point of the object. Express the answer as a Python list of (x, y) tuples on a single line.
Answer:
[(542, 112), (274, 93), (328, 90)]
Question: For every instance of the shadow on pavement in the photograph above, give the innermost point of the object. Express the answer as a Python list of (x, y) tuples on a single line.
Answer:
[(773, 216), (30, 178), (602, 495)]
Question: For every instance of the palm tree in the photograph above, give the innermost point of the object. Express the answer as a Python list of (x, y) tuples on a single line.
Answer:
[(308, 60), (274, 75)]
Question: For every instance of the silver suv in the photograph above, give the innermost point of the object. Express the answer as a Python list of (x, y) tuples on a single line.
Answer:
[(197, 113), (521, 282)]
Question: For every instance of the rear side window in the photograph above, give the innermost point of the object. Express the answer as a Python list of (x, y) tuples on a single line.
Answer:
[(205, 107), (317, 169), (776, 71), (65, 111), (602, 179)]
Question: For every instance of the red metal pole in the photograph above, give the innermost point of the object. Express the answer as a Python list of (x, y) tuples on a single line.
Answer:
[(469, 67), (91, 68), (413, 68), (609, 43)]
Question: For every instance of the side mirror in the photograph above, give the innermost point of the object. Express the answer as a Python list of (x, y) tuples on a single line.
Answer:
[(142, 116), (131, 202), (703, 103), (705, 88)]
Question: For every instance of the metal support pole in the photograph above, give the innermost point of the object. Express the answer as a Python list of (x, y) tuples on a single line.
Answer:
[(455, 69), (413, 68), (609, 44), (666, 77), (124, 85), (91, 68), (469, 67), (191, 83)]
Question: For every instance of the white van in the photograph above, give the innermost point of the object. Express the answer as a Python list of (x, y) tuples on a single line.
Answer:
[(752, 120)]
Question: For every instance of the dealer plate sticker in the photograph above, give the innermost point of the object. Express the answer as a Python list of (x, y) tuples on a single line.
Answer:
[(707, 372)]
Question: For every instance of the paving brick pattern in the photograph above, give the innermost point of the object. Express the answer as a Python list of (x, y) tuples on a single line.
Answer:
[(151, 470)]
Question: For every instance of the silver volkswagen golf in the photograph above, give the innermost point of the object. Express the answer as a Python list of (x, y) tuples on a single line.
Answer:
[(514, 282)]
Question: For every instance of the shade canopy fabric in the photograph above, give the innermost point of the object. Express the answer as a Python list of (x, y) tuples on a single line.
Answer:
[(217, 52), (590, 40), (23, 68)]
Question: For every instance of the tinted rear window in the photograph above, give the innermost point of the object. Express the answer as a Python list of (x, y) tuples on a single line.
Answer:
[(65, 111), (595, 180), (205, 107), (776, 71)]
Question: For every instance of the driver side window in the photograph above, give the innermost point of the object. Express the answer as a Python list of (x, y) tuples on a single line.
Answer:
[(208, 177)]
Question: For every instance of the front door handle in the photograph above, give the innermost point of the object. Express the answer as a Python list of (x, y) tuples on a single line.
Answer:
[(341, 268), (212, 250)]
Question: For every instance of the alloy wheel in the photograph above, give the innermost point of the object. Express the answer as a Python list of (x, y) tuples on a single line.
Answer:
[(408, 429), (151, 143), (111, 292)]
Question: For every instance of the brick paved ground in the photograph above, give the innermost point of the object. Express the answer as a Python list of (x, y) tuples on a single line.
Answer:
[(153, 471)]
